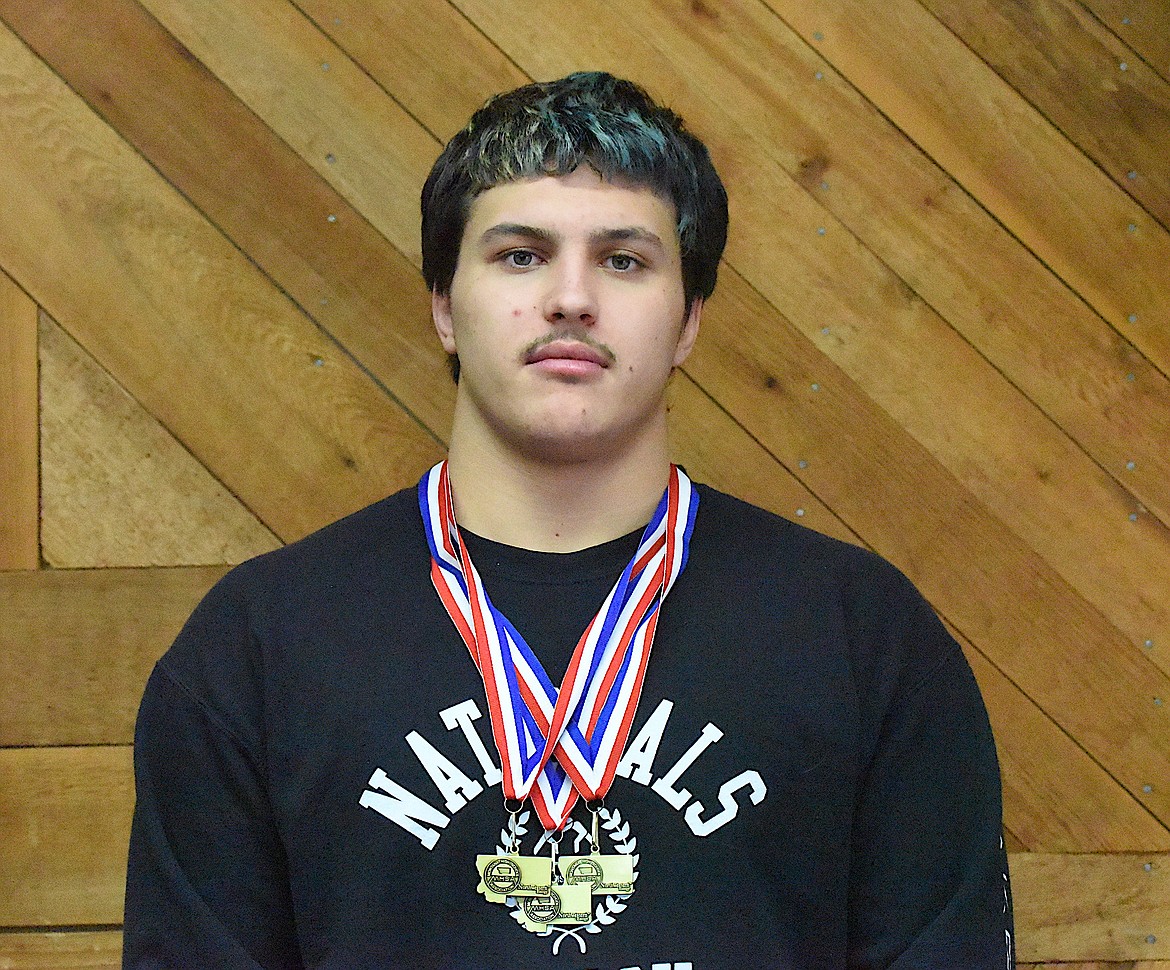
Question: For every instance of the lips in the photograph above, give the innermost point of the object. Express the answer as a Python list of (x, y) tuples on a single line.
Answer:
[(569, 350)]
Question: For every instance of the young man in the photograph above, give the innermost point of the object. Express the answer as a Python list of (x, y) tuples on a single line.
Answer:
[(560, 707)]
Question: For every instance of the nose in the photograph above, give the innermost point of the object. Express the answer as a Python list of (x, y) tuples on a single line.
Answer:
[(570, 297)]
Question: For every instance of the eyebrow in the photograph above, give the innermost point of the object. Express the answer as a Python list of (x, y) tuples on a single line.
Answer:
[(631, 233), (618, 234), (514, 229)]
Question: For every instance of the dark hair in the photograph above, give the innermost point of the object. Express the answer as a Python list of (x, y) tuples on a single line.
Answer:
[(551, 128)]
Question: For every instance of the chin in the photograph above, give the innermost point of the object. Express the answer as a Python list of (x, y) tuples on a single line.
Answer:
[(570, 445)]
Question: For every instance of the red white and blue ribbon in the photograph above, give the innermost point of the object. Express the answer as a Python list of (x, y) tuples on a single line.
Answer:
[(557, 745)]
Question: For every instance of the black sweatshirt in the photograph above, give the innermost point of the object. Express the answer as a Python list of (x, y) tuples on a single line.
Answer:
[(811, 780)]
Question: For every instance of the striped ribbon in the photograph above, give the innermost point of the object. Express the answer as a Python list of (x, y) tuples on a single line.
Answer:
[(557, 745)]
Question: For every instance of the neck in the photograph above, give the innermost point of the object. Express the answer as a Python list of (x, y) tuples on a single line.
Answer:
[(548, 506)]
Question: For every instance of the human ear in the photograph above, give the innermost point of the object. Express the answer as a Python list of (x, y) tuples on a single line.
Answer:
[(441, 316), (690, 330)]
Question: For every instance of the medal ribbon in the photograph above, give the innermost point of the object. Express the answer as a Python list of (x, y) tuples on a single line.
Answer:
[(557, 745)]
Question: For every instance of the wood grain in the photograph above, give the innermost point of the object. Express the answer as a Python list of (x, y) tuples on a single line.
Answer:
[(717, 451), (1089, 84), (103, 951), (396, 42), (1088, 907), (1055, 797), (19, 477), (81, 950), (185, 323), (986, 414), (1050, 196), (344, 274), (1131, 589), (1124, 583), (751, 352), (312, 95), (300, 41), (1003, 453), (76, 647), (1102, 965), (1143, 24), (117, 488), (64, 828)]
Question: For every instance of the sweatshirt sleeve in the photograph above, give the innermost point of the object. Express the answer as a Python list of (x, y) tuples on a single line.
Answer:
[(929, 885), (207, 881)]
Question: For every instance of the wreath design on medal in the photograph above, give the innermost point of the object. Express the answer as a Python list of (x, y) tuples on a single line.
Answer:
[(607, 910)]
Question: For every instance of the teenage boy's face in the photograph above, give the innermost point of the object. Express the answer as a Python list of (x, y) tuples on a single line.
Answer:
[(567, 311)]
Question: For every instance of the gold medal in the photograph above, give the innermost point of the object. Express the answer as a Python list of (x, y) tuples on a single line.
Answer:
[(605, 875), (557, 893), (501, 876), (564, 905)]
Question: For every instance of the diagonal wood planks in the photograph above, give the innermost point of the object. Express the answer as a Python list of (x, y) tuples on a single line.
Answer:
[(1053, 199), (704, 429), (396, 41), (145, 75), (321, 103), (116, 488), (917, 220), (226, 161), (756, 352), (1123, 422), (998, 467), (1070, 67), (1119, 911), (19, 477), (202, 31), (718, 451), (1042, 768), (185, 322), (1143, 24), (998, 593)]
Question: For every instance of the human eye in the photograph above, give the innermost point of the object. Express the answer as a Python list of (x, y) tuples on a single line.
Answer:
[(623, 262), (519, 258)]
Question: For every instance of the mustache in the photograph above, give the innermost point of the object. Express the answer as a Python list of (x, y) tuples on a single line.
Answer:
[(575, 334)]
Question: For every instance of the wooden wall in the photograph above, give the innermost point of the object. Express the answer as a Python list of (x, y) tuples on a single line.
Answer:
[(942, 330)]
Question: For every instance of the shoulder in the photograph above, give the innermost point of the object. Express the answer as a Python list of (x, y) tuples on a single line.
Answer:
[(748, 538), (364, 544), (789, 578), (371, 553), (385, 527)]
